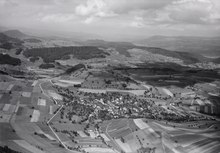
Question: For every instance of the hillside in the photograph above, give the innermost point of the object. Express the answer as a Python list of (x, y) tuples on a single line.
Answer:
[(208, 46), (216, 60), (56, 53), (74, 68), (7, 42), (121, 47), (7, 59), (32, 40), (15, 34), (188, 58)]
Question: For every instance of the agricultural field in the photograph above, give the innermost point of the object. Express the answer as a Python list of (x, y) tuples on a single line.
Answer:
[(107, 97)]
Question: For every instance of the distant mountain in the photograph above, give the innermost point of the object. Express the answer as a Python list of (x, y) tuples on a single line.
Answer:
[(208, 46), (123, 47), (98, 42), (16, 34), (188, 58), (4, 38), (216, 60), (7, 42)]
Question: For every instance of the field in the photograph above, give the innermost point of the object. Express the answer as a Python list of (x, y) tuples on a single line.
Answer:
[(168, 74), (35, 116), (125, 147), (108, 101), (99, 150), (28, 146), (7, 133), (55, 95), (135, 92), (41, 102), (26, 94)]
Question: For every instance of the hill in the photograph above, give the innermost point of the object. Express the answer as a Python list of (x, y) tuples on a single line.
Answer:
[(121, 47), (188, 58), (7, 59), (216, 60), (7, 42), (15, 34), (55, 53), (208, 46), (32, 40)]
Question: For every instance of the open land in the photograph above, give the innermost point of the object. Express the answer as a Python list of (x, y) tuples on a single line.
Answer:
[(108, 100)]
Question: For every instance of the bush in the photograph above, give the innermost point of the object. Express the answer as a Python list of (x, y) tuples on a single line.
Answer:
[(18, 51), (46, 66), (33, 59)]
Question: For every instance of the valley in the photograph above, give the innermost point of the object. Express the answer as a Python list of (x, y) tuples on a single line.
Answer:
[(106, 97)]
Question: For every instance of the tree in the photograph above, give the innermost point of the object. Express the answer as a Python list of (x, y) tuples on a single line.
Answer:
[(122, 139)]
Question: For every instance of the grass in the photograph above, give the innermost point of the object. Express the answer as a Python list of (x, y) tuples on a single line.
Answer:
[(8, 133), (120, 133), (6, 98)]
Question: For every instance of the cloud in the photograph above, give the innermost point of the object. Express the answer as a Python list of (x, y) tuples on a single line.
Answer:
[(138, 22), (57, 18), (119, 16), (93, 9), (127, 6), (89, 20), (113, 8), (182, 12), (191, 12)]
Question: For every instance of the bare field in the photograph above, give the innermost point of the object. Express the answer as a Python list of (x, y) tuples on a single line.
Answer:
[(99, 150), (26, 94), (55, 95), (35, 116), (41, 102)]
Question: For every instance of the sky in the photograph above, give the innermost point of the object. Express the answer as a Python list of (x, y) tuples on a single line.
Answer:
[(113, 19)]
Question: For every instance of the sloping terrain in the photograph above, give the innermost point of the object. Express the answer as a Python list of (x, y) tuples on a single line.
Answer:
[(185, 56), (15, 34), (217, 60), (74, 68), (121, 47), (56, 53), (7, 42), (7, 59)]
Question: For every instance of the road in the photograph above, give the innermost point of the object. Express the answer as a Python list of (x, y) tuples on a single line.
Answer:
[(106, 131), (48, 122)]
